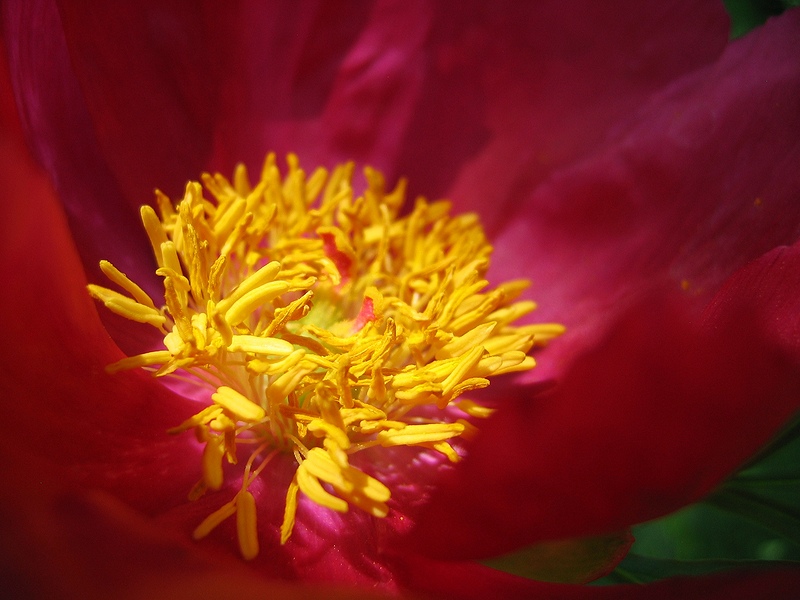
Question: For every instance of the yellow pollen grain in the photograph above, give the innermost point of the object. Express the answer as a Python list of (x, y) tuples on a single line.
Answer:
[(313, 321)]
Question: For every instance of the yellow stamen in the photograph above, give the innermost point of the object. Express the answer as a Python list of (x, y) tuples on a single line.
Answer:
[(245, 305), (122, 280), (317, 323), (260, 345), (127, 307), (311, 487), (155, 231), (290, 511), (246, 529), (211, 521), (212, 463), (419, 434), (264, 275), (241, 406)]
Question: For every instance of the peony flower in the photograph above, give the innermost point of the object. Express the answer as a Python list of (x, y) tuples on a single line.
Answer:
[(639, 170)]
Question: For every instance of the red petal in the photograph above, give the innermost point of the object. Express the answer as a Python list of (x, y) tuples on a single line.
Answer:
[(538, 86), (647, 421), (702, 181), (772, 284), (147, 71), (491, 96), (465, 581), (62, 138), (107, 431), (483, 101), (59, 542)]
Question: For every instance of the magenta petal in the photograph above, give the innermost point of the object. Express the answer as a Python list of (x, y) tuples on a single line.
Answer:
[(456, 100), (647, 421), (342, 87)]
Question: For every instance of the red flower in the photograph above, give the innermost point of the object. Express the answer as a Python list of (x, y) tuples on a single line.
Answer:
[(639, 170)]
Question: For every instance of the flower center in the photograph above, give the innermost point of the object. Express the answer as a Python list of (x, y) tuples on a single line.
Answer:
[(320, 323)]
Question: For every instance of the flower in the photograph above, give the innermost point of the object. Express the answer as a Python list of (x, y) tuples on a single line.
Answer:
[(312, 322), (648, 173)]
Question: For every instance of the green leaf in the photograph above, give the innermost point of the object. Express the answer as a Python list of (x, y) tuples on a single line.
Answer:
[(786, 440), (752, 519), (644, 569), (781, 518), (748, 14), (567, 561)]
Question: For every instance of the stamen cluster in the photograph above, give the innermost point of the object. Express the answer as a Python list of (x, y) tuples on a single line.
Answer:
[(321, 323)]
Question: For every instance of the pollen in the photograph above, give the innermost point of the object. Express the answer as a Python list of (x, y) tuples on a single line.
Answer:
[(318, 323)]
